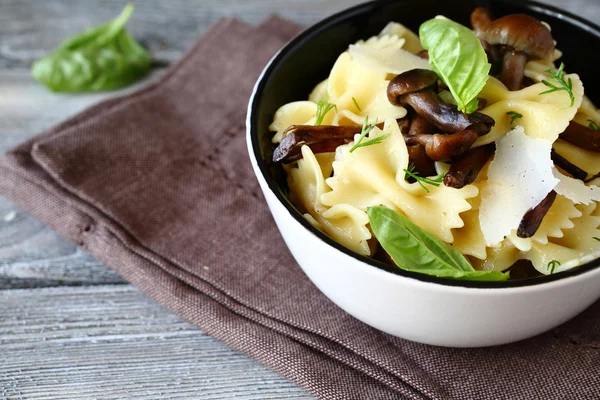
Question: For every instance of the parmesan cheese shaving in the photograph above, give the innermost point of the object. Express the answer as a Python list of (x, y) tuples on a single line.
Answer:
[(575, 190), (519, 177), (412, 42), (390, 59)]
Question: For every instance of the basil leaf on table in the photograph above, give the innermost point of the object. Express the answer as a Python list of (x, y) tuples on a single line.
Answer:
[(414, 249), (457, 56), (101, 58)]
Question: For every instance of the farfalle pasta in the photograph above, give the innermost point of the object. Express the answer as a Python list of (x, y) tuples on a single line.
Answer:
[(501, 176)]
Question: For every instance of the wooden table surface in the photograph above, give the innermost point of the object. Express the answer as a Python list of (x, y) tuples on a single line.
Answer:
[(71, 328)]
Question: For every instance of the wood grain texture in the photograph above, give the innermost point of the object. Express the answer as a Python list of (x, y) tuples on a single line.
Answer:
[(112, 342), (31, 28)]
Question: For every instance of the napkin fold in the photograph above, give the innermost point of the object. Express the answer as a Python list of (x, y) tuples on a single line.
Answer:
[(158, 185)]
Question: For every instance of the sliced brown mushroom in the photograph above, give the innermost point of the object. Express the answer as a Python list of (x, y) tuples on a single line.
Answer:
[(519, 31), (404, 124), (420, 126), (567, 166), (582, 136), (320, 139), (444, 147), (532, 219), (493, 52), (424, 165), (513, 69), (524, 36), (416, 88), (464, 171)]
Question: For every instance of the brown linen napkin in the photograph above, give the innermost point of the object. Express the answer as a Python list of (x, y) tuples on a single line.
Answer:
[(158, 186)]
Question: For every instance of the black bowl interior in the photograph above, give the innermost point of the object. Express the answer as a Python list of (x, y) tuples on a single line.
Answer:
[(308, 59)]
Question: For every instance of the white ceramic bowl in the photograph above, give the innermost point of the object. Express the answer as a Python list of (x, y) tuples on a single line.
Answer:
[(409, 305)]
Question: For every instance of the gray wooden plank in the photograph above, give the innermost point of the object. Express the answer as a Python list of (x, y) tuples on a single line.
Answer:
[(31, 28), (112, 342)]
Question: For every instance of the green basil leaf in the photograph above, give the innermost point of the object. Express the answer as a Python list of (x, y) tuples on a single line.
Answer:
[(414, 249), (101, 58), (456, 55)]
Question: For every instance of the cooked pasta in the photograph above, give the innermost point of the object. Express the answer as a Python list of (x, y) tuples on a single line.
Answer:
[(335, 181)]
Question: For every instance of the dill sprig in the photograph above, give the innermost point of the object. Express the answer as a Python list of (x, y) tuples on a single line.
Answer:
[(561, 84), (366, 129), (421, 180), (593, 125), (323, 107), (552, 265), (514, 115), (356, 104), (594, 237)]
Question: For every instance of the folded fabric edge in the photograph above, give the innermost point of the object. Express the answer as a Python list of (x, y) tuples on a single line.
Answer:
[(18, 188)]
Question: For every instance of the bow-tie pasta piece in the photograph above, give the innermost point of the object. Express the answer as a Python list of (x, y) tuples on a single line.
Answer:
[(375, 175), (576, 247), (587, 112), (543, 115), (536, 70), (295, 113), (411, 40), (344, 223), (497, 258), (359, 92), (587, 160), (469, 239), (386, 54), (559, 217)]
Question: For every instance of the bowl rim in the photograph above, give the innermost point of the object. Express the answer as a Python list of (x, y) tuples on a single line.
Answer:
[(259, 164)]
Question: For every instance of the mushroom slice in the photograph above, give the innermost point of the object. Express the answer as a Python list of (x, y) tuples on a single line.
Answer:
[(416, 88), (519, 31), (420, 126), (513, 69), (567, 166), (417, 156), (526, 38), (582, 136), (464, 171), (320, 139), (532, 219), (444, 147)]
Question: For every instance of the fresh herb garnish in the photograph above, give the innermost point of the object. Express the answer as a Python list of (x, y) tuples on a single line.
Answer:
[(514, 115), (593, 125), (323, 107), (411, 173), (366, 129), (559, 77), (456, 55), (598, 239), (101, 58), (552, 265), (356, 104), (414, 249)]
